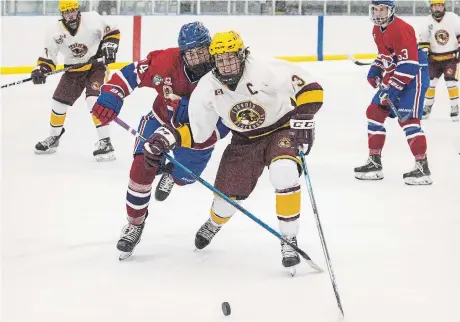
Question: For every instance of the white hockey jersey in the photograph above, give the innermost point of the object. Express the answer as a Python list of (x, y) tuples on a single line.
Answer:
[(264, 100), (80, 47), (440, 38)]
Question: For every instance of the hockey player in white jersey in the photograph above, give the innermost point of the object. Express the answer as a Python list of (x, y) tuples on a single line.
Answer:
[(259, 101), (440, 36), (79, 37)]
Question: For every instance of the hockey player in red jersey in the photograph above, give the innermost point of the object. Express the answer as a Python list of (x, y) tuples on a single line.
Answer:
[(401, 74), (173, 73)]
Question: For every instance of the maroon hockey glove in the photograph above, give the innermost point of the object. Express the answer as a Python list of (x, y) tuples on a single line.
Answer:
[(162, 140), (302, 131), (38, 74)]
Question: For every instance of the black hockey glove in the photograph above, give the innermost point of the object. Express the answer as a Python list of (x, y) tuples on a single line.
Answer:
[(302, 132), (38, 74), (109, 52)]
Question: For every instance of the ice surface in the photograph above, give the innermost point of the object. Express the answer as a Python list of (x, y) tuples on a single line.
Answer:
[(395, 248)]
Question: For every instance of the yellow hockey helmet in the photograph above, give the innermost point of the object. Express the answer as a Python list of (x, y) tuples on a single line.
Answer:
[(432, 2), (68, 5), (226, 42)]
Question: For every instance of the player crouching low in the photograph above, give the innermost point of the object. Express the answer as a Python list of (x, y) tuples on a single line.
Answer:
[(257, 100), (79, 37), (400, 72)]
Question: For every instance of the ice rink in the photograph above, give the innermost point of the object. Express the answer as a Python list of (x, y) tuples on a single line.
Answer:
[(395, 249)]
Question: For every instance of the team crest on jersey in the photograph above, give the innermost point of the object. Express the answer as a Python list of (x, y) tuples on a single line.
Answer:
[(247, 115), (441, 36), (284, 143), (157, 79), (78, 50)]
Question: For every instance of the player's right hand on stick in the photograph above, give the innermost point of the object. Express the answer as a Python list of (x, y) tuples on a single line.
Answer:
[(161, 141), (108, 104), (302, 131), (38, 74)]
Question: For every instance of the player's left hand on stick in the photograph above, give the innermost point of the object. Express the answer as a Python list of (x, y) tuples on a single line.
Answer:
[(161, 141), (38, 74), (108, 104), (109, 52), (390, 93), (302, 131)]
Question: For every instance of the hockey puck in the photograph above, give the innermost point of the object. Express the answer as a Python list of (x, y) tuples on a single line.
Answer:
[(226, 308)]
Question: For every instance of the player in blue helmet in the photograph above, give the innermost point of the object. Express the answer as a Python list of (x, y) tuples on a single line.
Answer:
[(173, 73), (379, 16), (194, 40)]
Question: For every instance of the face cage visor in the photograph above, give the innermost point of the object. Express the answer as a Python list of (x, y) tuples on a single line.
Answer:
[(378, 15), (198, 60), (229, 67)]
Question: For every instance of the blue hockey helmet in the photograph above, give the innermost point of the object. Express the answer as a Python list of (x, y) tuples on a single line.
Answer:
[(378, 17), (193, 35), (194, 40)]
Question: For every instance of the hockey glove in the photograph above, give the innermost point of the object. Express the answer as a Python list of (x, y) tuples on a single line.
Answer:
[(108, 104), (161, 141), (302, 132), (374, 76), (109, 52), (390, 93), (38, 74)]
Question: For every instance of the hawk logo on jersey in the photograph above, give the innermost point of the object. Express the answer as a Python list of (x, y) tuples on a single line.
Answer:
[(442, 36), (78, 50), (157, 79), (247, 115)]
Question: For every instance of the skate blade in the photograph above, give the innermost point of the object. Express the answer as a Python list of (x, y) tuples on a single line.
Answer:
[(422, 181), (105, 157), (377, 175), (124, 255), (292, 271), (49, 151), (425, 117), (454, 118)]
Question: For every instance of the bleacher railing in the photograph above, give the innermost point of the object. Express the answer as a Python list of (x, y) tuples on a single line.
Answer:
[(222, 7)]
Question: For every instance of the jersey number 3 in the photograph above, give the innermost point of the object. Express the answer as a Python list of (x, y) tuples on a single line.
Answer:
[(404, 55)]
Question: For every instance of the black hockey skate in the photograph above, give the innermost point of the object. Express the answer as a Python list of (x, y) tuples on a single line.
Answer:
[(104, 150), (290, 256), (372, 170), (205, 234), (130, 237), (420, 175), (49, 145), (166, 183), (454, 113), (426, 111)]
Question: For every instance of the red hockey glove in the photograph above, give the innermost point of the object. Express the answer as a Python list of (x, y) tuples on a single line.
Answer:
[(302, 131), (162, 140)]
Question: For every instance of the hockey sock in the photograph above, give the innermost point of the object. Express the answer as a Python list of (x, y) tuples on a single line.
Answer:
[(288, 210), (139, 189), (452, 88), (415, 137), (376, 132), (221, 211), (103, 131), (431, 92), (57, 118)]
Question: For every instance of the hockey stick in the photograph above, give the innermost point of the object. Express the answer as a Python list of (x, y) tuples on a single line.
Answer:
[(62, 70), (227, 199), (357, 62), (320, 229)]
